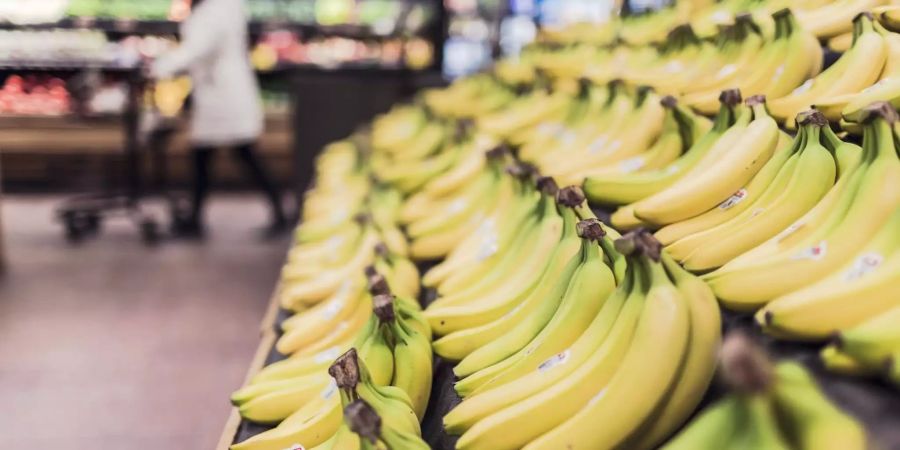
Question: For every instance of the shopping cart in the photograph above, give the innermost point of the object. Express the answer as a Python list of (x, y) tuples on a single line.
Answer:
[(148, 129)]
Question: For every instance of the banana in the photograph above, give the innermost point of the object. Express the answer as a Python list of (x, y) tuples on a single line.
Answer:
[(893, 369), (634, 187), (848, 157), (475, 259), (309, 291), (309, 426), (463, 206), (465, 311), (696, 373), (606, 338), (412, 369), (584, 297), (856, 70), (752, 57), (344, 331), (633, 392), (523, 113), (715, 427), (397, 128), (680, 129), (760, 429), (303, 328), (559, 383), (696, 194), (873, 342), (273, 402), (438, 241), (632, 138), (832, 19), (776, 209), (734, 205), (836, 361), (812, 422), (483, 251), (523, 323), (877, 197)]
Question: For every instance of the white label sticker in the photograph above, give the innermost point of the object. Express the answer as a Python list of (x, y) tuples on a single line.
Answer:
[(329, 390), (333, 309), (456, 206), (727, 70), (549, 128), (803, 87), (512, 312), (864, 265), (778, 71), (597, 145), (735, 198), (790, 230), (631, 164), (295, 447), (673, 66), (597, 397), (335, 242), (814, 253), (488, 248), (327, 355), (555, 360)]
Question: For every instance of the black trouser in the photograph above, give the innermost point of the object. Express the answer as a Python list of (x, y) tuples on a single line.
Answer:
[(246, 154)]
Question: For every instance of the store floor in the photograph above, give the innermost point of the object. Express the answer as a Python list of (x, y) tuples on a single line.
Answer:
[(111, 345)]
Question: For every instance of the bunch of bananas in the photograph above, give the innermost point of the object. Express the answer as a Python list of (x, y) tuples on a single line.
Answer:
[(375, 416), (827, 19), (869, 348), (857, 69), (346, 216), (773, 408), (742, 140), (799, 270), (469, 97), (364, 429), (788, 185), (588, 364), (297, 392), (612, 131)]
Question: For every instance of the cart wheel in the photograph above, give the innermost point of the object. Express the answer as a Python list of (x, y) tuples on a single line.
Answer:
[(150, 232), (92, 223), (74, 231)]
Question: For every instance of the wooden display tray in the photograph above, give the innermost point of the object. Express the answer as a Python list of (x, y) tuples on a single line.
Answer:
[(268, 336)]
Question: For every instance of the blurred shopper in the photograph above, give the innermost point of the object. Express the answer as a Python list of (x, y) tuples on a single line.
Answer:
[(226, 102)]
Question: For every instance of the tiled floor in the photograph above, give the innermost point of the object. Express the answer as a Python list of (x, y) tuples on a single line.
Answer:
[(111, 345)]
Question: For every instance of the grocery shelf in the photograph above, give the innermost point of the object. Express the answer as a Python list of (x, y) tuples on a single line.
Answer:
[(64, 66), (108, 25), (168, 27)]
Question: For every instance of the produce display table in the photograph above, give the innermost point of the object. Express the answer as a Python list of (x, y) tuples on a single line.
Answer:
[(874, 402)]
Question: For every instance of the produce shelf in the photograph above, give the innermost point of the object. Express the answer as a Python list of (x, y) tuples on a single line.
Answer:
[(875, 403)]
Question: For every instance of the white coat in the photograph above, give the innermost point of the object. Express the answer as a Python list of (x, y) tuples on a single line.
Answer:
[(213, 50)]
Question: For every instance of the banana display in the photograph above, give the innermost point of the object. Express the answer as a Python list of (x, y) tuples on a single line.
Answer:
[(777, 407), (868, 349), (590, 362), (728, 152)]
